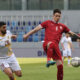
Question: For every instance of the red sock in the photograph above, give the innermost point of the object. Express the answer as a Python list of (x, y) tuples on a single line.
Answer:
[(48, 59), (60, 72)]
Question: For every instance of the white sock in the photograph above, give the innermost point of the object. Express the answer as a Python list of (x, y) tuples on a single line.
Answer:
[(69, 61)]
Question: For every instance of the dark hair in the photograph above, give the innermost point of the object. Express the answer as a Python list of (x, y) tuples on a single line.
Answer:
[(68, 33), (56, 11), (2, 23)]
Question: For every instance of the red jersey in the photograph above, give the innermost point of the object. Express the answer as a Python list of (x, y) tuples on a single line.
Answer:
[(53, 31)]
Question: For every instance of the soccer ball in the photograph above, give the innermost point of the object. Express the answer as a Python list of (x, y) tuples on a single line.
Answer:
[(75, 62)]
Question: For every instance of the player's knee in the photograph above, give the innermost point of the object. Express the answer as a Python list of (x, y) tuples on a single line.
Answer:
[(50, 45), (19, 74), (10, 74), (59, 62)]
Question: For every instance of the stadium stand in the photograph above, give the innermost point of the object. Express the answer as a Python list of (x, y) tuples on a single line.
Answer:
[(23, 26)]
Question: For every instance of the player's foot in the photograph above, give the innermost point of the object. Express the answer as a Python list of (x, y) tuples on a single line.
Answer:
[(50, 63)]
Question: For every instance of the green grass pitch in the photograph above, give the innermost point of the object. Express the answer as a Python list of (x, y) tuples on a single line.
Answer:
[(38, 71)]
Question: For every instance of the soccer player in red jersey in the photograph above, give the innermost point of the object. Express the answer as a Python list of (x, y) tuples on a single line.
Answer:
[(53, 34)]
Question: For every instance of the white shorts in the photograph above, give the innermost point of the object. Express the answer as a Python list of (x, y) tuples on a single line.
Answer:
[(67, 52), (10, 62)]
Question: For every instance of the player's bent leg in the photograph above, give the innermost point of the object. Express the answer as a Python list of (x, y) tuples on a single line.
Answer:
[(49, 52), (9, 73), (16, 67), (59, 64), (18, 73)]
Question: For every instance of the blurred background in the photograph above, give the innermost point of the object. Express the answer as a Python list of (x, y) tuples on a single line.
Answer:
[(21, 16)]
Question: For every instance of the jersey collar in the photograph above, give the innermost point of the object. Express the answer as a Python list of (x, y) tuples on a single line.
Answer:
[(55, 21)]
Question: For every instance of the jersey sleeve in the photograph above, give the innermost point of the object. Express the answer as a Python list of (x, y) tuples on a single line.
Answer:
[(44, 24), (66, 29)]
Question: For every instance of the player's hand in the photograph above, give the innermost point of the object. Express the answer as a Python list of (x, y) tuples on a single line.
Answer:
[(14, 36), (72, 49), (25, 36), (78, 40), (7, 42)]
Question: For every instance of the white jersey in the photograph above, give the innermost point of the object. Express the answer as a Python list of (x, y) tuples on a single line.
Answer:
[(66, 42), (5, 49)]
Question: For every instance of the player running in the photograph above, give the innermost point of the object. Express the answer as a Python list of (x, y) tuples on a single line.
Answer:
[(8, 62), (66, 44), (53, 34)]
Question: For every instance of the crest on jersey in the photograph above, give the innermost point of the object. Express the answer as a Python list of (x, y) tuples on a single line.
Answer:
[(60, 27)]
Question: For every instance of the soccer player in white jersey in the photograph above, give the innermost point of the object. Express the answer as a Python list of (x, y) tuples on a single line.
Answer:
[(8, 62), (66, 44)]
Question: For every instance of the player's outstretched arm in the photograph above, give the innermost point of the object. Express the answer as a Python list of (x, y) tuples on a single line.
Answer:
[(39, 27), (72, 33)]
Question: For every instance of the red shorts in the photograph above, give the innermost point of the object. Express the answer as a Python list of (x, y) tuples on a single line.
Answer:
[(53, 51)]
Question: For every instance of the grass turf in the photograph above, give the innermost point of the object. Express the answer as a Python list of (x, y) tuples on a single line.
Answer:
[(38, 71)]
